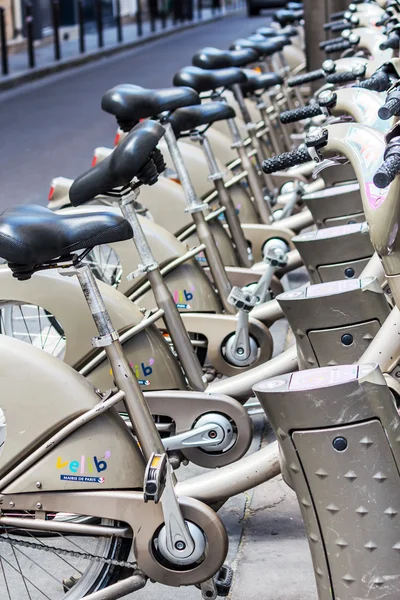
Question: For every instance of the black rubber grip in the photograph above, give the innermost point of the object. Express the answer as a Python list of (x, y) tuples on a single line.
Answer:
[(382, 21), (306, 78), (298, 114), (286, 160), (390, 109), (392, 42), (378, 82), (338, 15), (339, 47), (343, 77), (342, 26), (326, 43), (387, 172)]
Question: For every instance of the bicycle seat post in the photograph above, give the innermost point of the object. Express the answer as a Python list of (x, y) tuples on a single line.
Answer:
[(173, 320), (231, 216), (254, 181), (108, 339), (196, 208)]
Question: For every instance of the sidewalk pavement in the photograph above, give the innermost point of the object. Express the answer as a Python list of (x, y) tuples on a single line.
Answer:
[(19, 71)]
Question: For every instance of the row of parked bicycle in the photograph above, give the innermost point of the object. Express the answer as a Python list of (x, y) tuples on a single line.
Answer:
[(135, 315)]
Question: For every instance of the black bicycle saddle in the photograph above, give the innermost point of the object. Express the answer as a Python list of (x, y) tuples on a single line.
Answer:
[(287, 17), (191, 117), (127, 161), (34, 235), (130, 103), (270, 32), (203, 80), (212, 58), (266, 47), (259, 81)]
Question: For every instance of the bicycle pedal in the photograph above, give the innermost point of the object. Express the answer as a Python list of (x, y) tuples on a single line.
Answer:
[(223, 581), (69, 583), (242, 299)]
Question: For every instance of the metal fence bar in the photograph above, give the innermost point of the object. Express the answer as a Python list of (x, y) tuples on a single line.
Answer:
[(55, 15), (118, 21), (4, 49), (29, 34), (152, 10), (139, 20), (164, 14), (99, 23), (81, 24), (191, 10), (174, 9), (200, 9)]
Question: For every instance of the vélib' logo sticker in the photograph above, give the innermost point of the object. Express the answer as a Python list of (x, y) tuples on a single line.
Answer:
[(142, 371), (182, 297), (84, 470)]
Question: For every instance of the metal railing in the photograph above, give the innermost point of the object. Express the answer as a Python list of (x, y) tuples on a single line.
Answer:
[(151, 17)]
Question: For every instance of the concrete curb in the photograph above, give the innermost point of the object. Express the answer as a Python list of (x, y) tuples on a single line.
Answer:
[(11, 81)]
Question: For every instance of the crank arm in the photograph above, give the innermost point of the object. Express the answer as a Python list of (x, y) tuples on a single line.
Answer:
[(158, 488), (190, 412), (217, 328), (211, 434)]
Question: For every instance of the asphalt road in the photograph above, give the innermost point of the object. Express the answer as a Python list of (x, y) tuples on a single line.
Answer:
[(50, 128)]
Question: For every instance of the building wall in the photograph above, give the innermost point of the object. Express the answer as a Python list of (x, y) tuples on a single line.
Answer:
[(9, 26)]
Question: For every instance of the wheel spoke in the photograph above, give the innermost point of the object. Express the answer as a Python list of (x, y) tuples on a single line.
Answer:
[(19, 567), (36, 565)]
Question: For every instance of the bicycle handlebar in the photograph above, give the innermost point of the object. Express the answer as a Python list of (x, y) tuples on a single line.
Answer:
[(378, 82), (388, 171), (391, 108), (345, 45), (343, 77), (326, 43), (286, 160), (341, 26), (306, 78), (338, 15), (298, 114), (392, 42)]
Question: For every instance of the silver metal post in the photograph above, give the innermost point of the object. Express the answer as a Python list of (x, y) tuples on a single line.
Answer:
[(225, 199), (262, 206), (196, 208), (285, 134), (136, 406), (176, 328), (262, 107), (251, 128)]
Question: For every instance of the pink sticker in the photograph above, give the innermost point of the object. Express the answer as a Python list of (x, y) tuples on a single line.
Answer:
[(376, 196)]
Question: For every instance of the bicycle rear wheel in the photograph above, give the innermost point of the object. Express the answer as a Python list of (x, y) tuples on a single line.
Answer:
[(38, 565)]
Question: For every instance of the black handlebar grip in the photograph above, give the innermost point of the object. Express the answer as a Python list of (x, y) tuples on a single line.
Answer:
[(286, 160), (342, 26), (392, 42), (378, 82), (387, 172), (390, 109), (306, 78), (338, 15), (343, 77), (345, 45), (326, 43), (298, 114)]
